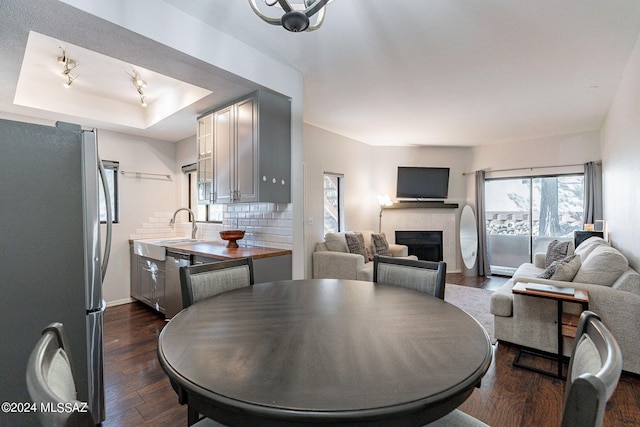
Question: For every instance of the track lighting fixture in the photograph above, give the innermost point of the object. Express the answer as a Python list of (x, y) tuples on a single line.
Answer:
[(68, 64), (69, 82), (139, 84)]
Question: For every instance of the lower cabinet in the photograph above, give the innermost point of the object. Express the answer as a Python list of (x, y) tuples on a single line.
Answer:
[(267, 269), (157, 283), (272, 268)]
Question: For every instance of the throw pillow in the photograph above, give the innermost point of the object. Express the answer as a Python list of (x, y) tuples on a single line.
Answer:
[(556, 251), (585, 248), (380, 244), (603, 266), (355, 243), (336, 242), (550, 271), (567, 270)]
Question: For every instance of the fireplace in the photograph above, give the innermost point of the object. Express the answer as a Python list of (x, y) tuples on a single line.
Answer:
[(426, 245)]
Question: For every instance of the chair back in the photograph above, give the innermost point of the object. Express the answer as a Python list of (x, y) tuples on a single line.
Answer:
[(51, 383), (202, 281), (594, 371), (424, 276)]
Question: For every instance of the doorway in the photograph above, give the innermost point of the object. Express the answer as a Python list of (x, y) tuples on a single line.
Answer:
[(524, 214)]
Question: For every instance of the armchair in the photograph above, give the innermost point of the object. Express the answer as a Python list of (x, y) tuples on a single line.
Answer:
[(332, 259)]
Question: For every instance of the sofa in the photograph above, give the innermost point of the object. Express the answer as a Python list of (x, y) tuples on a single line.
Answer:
[(600, 269), (332, 258)]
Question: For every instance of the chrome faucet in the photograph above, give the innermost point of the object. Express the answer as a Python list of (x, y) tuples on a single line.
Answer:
[(194, 229)]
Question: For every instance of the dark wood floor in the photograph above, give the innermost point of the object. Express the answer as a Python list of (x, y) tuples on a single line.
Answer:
[(138, 393)]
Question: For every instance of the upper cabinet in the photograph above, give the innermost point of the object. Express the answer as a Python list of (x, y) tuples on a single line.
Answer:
[(244, 151), (205, 159)]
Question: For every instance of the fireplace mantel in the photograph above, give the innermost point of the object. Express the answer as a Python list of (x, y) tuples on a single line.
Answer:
[(422, 205)]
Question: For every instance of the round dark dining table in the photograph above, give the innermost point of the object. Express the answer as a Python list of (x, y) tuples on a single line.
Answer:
[(323, 351)]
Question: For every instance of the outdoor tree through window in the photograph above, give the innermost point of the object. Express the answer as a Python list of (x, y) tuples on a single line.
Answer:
[(525, 214), (333, 203)]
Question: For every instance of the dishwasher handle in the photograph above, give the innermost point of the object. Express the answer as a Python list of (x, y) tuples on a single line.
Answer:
[(180, 257)]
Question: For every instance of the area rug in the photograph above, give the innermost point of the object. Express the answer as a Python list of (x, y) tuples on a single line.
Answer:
[(474, 301)]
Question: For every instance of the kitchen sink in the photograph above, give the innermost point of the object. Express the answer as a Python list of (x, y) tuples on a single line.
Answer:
[(155, 248)]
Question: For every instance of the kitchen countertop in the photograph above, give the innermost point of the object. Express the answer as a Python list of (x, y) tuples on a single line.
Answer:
[(218, 250)]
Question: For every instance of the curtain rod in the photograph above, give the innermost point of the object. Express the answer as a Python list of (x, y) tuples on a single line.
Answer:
[(598, 162)]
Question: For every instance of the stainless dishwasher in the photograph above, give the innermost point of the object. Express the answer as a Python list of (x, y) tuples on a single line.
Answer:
[(173, 292)]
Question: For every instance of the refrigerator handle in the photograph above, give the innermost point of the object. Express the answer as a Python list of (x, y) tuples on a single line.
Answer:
[(107, 200)]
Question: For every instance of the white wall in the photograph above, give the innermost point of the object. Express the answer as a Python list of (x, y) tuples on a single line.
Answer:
[(621, 163), (546, 155), (384, 177), (387, 160), (558, 150), (325, 151), (369, 171), (139, 198), (185, 155)]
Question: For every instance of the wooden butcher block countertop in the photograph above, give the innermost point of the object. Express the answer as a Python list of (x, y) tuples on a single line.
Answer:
[(220, 251)]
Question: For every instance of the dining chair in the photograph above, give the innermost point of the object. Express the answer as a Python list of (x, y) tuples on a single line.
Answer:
[(202, 281), (424, 276), (51, 383), (594, 371)]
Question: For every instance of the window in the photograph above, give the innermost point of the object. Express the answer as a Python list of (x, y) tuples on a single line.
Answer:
[(111, 169), (525, 214), (333, 203), (204, 213)]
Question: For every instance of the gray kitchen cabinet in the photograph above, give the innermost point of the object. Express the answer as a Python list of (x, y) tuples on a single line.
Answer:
[(250, 142), (224, 162), (205, 160), (151, 282), (133, 273)]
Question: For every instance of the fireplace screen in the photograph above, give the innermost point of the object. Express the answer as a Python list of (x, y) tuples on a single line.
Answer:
[(426, 245)]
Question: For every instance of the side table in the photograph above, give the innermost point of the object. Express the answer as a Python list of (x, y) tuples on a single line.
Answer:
[(567, 324)]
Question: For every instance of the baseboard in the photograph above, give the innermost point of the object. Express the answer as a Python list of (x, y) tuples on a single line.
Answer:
[(120, 302)]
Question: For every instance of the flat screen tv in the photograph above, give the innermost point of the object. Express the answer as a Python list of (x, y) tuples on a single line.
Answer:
[(422, 183)]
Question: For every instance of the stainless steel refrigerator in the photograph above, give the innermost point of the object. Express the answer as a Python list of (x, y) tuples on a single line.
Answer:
[(51, 267)]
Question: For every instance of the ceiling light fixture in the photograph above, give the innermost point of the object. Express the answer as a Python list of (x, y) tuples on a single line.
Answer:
[(297, 13), (69, 64), (139, 84), (69, 82)]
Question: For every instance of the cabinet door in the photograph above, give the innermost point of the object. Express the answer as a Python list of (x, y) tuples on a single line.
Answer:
[(205, 160), (246, 152), (223, 155)]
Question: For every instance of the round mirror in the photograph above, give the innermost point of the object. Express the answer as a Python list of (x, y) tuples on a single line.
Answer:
[(468, 237)]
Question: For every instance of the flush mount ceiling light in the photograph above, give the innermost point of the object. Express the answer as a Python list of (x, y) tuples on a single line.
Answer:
[(68, 64), (297, 13), (139, 84)]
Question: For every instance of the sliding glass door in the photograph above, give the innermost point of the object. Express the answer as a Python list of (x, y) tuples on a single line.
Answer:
[(525, 214)]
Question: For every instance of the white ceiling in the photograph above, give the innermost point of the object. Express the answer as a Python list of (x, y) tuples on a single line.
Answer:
[(402, 72), (104, 83)]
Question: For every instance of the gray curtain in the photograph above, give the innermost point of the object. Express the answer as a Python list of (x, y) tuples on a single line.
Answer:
[(484, 268), (592, 192)]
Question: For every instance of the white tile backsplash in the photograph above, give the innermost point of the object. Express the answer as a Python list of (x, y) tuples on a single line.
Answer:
[(265, 225)]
